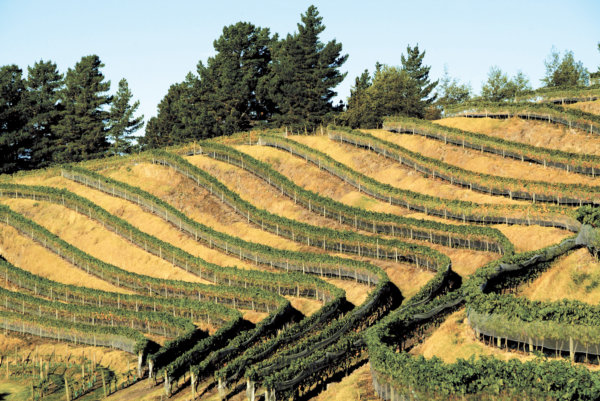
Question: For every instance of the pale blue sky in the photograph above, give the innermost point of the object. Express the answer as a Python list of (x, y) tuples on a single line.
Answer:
[(155, 43)]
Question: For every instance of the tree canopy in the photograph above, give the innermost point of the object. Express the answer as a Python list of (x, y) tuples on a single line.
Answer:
[(499, 86), (48, 118), (450, 91), (303, 74), (122, 124), (13, 140), (565, 71), (81, 130)]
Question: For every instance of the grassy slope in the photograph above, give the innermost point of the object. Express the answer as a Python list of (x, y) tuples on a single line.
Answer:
[(141, 219), (391, 172), (590, 107), (483, 162), (310, 177), (91, 237), (530, 132), (27, 254), (573, 276)]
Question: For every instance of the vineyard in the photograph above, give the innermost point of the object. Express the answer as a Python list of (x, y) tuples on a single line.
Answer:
[(428, 260)]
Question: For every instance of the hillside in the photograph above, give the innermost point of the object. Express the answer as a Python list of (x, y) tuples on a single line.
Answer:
[(300, 266)]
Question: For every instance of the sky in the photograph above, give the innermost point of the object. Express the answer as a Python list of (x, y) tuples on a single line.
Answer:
[(154, 44)]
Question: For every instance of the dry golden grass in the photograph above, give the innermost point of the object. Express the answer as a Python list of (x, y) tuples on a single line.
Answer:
[(530, 238), (156, 226), (196, 203), (312, 178), (118, 361), (91, 237), (530, 132), (392, 173), (254, 317), (201, 206), (590, 107), (27, 254), (464, 261), (455, 339), (574, 276), (258, 192), (265, 196), (485, 163), (305, 305), (145, 221), (357, 386)]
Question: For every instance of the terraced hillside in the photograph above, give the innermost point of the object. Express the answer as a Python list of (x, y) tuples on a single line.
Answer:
[(426, 260)]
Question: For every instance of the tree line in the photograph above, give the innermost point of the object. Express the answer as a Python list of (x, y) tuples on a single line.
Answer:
[(48, 118), (255, 79)]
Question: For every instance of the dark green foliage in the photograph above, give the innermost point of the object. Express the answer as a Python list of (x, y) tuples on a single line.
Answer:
[(13, 141), (395, 92), (402, 90), (450, 91), (500, 87), (168, 127), (565, 72), (221, 99), (253, 79), (81, 131), (412, 63), (360, 111), (589, 215), (303, 74), (122, 124), (44, 84), (228, 82)]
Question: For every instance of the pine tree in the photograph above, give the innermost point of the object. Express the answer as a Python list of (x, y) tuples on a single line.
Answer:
[(44, 84), (395, 92), (565, 72), (229, 80), (361, 109), (303, 74), (450, 91), (178, 120), (412, 63), (123, 124), (81, 132), (499, 86), (13, 138)]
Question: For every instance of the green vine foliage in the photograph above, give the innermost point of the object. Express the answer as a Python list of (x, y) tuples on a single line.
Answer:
[(538, 191), (353, 216), (120, 277), (268, 255), (573, 118), (573, 162)]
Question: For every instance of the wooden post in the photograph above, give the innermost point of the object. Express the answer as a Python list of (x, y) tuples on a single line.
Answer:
[(67, 390), (104, 384), (250, 390)]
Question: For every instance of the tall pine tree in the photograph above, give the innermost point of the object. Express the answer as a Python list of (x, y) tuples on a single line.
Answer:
[(361, 107), (303, 74), (177, 120), (229, 80), (412, 63), (13, 138), (122, 123), (44, 84), (81, 132)]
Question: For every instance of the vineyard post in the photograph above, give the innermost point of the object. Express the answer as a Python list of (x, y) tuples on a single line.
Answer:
[(193, 383), (67, 389), (250, 390), (139, 364)]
